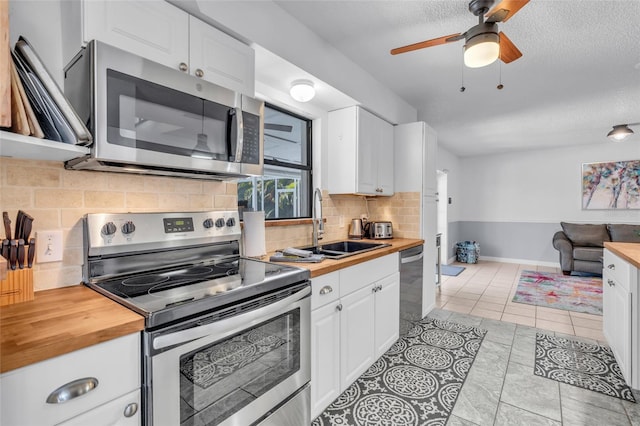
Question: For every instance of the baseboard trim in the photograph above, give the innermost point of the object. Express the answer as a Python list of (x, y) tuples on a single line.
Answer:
[(510, 260)]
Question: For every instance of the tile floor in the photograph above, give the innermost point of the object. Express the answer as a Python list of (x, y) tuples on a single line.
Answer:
[(501, 388), (486, 289)]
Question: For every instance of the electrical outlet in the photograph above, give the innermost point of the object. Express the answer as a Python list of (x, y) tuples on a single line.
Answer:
[(48, 246), (341, 222)]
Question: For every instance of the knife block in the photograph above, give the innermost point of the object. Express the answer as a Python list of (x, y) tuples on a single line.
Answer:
[(17, 286)]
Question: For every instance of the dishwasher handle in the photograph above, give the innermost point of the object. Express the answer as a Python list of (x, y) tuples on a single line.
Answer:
[(410, 259)]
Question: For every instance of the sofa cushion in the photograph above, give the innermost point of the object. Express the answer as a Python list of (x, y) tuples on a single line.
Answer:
[(582, 234), (624, 233), (591, 254)]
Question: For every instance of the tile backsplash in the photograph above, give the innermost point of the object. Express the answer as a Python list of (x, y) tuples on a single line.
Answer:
[(58, 199)]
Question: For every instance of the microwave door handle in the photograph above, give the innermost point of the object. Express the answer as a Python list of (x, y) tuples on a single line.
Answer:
[(239, 134), (232, 323)]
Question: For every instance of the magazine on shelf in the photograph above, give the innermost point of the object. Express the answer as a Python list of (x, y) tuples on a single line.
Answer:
[(68, 124)]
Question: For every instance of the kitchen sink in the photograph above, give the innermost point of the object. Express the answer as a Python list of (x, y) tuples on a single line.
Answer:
[(342, 249)]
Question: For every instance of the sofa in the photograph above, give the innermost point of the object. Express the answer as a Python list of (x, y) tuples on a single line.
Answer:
[(581, 245)]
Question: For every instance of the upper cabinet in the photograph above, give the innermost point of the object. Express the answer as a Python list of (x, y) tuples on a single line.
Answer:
[(162, 33), (361, 152)]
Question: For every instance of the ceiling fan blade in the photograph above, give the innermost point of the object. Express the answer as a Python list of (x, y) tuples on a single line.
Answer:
[(508, 51), (427, 43), (504, 10)]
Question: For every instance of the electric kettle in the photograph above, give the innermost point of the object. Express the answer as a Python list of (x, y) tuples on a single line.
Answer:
[(356, 230)]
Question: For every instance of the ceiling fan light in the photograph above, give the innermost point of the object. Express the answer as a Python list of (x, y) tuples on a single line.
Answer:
[(482, 50), (620, 132), (302, 90)]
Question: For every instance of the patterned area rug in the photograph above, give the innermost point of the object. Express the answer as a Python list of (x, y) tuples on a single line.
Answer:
[(578, 294), (219, 361), (416, 382), (580, 364)]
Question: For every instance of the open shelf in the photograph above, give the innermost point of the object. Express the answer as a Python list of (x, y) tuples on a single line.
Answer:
[(30, 148)]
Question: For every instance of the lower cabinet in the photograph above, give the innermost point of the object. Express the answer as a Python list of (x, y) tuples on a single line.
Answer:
[(349, 332), (620, 315), (97, 385)]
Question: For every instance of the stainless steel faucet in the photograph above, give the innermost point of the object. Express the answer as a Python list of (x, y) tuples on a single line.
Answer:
[(318, 224)]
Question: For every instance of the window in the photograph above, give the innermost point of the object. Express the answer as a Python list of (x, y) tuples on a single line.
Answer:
[(284, 191)]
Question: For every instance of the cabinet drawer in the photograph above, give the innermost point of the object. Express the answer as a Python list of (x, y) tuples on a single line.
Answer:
[(358, 276), (123, 411), (616, 267), (114, 364), (325, 289)]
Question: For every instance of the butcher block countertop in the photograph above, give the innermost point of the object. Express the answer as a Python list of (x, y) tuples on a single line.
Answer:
[(627, 251), (60, 321), (63, 320), (330, 265)]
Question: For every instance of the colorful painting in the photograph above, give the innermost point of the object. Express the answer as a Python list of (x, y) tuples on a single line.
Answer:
[(612, 185)]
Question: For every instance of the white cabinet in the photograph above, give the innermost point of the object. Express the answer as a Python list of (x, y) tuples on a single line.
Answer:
[(104, 377), (361, 152), (163, 33), (354, 320), (620, 314)]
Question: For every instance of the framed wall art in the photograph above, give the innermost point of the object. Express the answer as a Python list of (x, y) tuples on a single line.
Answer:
[(614, 185)]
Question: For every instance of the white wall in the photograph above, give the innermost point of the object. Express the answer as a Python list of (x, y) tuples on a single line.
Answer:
[(451, 163), (538, 186)]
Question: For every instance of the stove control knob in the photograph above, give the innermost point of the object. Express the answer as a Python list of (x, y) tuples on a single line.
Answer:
[(231, 222), (219, 222), (128, 228), (109, 228), (208, 223)]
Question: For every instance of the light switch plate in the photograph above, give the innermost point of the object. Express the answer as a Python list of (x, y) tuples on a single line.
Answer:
[(48, 246)]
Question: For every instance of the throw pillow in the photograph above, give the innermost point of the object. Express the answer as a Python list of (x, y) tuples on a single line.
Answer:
[(582, 234), (624, 233)]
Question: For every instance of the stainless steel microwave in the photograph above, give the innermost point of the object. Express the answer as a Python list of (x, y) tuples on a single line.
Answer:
[(152, 119)]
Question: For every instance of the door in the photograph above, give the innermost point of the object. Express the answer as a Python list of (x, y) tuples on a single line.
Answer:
[(357, 334), (325, 356), (387, 313), (429, 212)]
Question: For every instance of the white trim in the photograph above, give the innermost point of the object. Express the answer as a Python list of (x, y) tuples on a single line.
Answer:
[(520, 261)]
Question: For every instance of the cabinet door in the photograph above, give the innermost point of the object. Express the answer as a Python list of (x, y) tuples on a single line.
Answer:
[(430, 184), (429, 231), (616, 318), (221, 59), (368, 142), (385, 153), (154, 30), (123, 411), (356, 334), (325, 357), (387, 313)]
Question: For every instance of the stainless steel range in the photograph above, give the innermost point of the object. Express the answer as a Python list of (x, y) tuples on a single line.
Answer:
[(227, 338)]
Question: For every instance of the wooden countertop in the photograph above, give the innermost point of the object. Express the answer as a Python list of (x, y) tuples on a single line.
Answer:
[(628, 251), (66, 319), (60, 321), (330, 265)]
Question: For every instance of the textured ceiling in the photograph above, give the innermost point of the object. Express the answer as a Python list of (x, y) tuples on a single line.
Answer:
[(579, 75)]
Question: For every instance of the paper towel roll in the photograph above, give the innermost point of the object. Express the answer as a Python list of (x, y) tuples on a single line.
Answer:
[(253, 234)]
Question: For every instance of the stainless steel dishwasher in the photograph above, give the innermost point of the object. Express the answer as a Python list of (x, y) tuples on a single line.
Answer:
[(411, 274)]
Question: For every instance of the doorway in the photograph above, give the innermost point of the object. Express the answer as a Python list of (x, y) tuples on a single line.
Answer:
[(443, 204)]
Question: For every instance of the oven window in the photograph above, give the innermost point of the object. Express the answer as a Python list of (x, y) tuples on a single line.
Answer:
[(219, 380), (145, 115)]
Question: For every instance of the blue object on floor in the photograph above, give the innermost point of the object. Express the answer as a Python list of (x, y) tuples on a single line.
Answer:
[(451, 271)]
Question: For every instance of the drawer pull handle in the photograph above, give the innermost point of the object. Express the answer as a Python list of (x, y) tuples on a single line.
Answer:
[(611, 266), (611, 283), (130, 410), (326, 289), (199, 73), (339, 307), (72, 390)]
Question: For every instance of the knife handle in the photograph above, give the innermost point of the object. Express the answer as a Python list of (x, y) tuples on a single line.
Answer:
[(31, 253), (13, 254), (21, 254)]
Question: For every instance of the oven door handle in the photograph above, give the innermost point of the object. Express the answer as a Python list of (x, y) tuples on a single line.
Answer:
[(220, 327)]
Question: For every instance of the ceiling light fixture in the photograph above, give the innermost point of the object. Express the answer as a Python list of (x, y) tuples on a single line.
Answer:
[(482, 46), (621, 131), (302, 90)]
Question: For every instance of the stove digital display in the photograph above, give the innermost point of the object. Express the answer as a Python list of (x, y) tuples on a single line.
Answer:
[(178, 224)]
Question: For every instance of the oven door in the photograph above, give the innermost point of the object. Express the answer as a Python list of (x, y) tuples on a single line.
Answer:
[(233, 371)]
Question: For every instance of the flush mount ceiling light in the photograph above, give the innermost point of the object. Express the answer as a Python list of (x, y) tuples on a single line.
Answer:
[(621, 131), (482, 47), (302, 90)]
